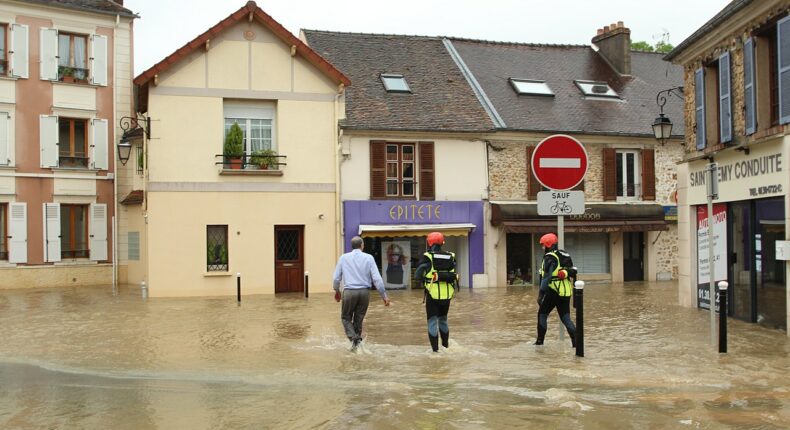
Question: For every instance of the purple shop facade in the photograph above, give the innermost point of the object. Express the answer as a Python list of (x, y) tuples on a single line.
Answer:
[(411, 214)]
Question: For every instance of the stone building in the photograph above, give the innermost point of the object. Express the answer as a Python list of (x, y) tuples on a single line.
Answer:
[(737, 107)]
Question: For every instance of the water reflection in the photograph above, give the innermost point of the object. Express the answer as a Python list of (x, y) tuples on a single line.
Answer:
[(83, 358)]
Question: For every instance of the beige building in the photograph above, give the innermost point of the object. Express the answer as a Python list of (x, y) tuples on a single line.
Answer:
[(736, 115), (65, 80), (199, 215)]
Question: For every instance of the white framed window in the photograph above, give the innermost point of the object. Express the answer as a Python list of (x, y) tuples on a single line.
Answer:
[(257, 122), (596, 89), (531, 87), (400, 170), (628, 174), (395, 83), (72, 57)]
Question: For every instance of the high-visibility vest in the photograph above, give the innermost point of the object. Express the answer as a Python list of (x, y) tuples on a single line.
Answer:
[(439, 290), (561, 286)]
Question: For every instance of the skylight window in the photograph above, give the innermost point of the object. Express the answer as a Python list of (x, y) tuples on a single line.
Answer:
[(596, 89), (531, 87), (395, 83)]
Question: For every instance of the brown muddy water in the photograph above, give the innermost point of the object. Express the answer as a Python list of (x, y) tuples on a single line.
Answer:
[(85, 358)]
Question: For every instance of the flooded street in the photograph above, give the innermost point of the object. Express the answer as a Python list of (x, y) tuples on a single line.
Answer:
[(83, 358)]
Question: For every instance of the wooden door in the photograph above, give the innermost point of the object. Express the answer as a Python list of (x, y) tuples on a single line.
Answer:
[(288, 259), (633, 256)]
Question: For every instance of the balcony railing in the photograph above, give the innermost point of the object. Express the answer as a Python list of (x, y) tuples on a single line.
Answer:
[(72, 74), (246, 163), (79, 161)]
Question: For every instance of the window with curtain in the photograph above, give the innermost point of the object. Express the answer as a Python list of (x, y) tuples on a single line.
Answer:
[(628, 174), (400, 170), (216, 248), (73, 142), (74, 231), (257, 133), (72, 57)]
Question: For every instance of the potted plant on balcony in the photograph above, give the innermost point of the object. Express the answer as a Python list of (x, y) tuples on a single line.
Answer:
[(264, 158), (234, 146), (66, 74)]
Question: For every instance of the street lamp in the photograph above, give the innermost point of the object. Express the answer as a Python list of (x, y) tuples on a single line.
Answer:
[(662, 125), (124, 149), (131, 126)]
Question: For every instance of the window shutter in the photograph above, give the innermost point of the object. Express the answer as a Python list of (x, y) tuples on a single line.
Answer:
[(5, 153), (48, 139), (99, 60), (609, 174), (427, 174), (52, 232), (725, 99), (533, 186), (783, 45), (648, 174), (49, 54), (748, 87), (699, 107), (378, 175), (99, 147), (98, 232), (20, 51), (17, 229)]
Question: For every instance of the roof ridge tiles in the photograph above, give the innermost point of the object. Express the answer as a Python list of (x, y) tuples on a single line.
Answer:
[(452, 38), (355, 33)]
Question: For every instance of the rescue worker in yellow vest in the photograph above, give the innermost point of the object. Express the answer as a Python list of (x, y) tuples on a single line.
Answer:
[(555, 290), (436, 271)]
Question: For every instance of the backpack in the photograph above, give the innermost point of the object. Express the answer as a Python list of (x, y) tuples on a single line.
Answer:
[(566, 262), (444, 264)]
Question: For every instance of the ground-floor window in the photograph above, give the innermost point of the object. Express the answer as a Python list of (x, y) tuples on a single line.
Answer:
[(74, 231), (590, 251), (3, 231), (216, 248)]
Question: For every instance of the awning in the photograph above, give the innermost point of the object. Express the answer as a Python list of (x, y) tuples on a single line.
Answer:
[(405, 230), (598, 218)]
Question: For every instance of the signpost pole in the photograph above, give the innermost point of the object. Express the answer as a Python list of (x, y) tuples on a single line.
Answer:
[(713, 191), (561, 245)]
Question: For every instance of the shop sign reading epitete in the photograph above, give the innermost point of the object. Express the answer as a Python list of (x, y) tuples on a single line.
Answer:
[(415, 212)]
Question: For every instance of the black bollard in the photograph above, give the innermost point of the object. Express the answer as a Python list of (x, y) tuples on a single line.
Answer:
[(578, 291), (306, 284), (723, 316), (238, 288)]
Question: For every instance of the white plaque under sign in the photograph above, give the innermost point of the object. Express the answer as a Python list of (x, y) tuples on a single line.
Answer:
[(783, 250), (561, 203)]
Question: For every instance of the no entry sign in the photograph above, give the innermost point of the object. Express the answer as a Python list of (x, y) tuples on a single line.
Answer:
[(559, 162)]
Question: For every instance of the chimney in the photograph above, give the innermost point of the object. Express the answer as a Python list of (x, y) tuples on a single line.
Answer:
[(614, 43)]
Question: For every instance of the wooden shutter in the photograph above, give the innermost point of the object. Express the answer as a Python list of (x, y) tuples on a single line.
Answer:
[(725, 99), (427, 174), (699, 107), (378, 174), (17, 229), (609, 174), (748, 87), (99, 60), (783, 48), (99, 147), (19, 51), (648, 174), (49, 52), (5, 150), (533, 186), (52, 232), (48, 140), (98, 232)]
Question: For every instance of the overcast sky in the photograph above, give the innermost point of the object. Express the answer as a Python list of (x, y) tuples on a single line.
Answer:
[(166, 25)]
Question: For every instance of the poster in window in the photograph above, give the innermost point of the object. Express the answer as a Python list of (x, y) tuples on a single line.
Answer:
[(719, 251), (396, 264)]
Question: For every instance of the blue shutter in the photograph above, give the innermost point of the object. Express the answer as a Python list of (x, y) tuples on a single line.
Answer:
[(748, 86), (699, 106), (783, 45), (725, 100)]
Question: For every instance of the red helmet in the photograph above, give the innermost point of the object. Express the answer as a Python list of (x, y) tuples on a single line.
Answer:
[(548, 240), (435, 238)]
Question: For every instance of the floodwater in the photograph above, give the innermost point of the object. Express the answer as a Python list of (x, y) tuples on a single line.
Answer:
[(84, 358)]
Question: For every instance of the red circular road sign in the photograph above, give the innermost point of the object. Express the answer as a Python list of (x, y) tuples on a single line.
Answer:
[(559, 162)]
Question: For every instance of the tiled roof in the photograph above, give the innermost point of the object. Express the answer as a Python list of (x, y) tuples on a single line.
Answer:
[(99, 6), (134, 198), (492, 64), (248, 11), (440, 99)]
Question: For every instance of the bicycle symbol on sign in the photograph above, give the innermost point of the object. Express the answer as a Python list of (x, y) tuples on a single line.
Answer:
[(561, 207)]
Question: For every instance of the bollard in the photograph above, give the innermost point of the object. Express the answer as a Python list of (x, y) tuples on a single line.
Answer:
[(238, 288), (143, 289), (578, 293), (723, 316), (306, 285)]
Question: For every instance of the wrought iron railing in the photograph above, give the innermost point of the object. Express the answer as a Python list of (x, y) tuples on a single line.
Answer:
[(73, 161), (251, 162)]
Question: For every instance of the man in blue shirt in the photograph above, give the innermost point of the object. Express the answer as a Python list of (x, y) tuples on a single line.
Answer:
[(358, 272)]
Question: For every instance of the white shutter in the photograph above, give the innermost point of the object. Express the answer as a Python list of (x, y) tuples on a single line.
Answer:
[(49, 54), (17, 244), (4, 141), (783, 52), (20, 49), (52, 232), (99, 60), (48, 140), (99, 149), (98, 232)]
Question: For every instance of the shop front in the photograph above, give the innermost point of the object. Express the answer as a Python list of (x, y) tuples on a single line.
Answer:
[(608, 242), (749, 222), (395, 231)]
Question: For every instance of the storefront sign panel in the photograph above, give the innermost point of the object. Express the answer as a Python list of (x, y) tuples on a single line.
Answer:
[(719, 251)]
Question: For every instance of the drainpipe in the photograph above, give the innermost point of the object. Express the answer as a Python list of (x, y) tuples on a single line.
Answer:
[(338, 188), (115, 153)]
